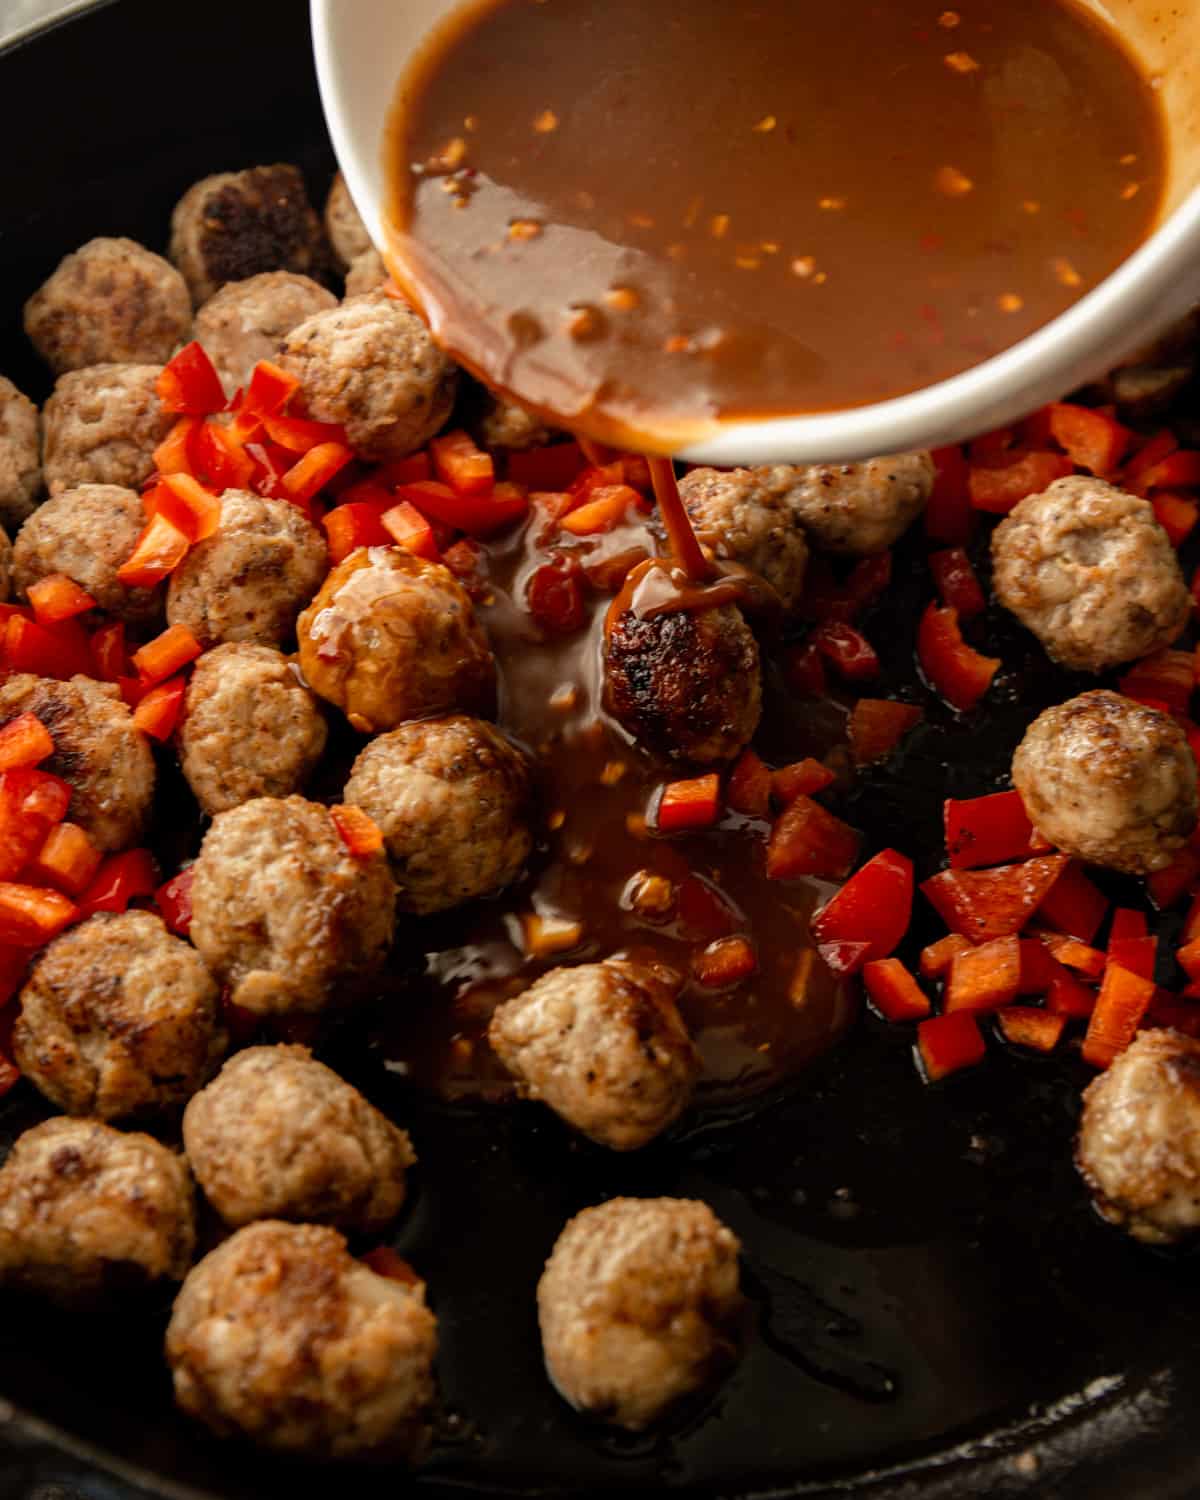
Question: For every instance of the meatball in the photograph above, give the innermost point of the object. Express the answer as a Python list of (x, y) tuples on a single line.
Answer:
[(282, 912), (1091, 573), (111, 302), (452, 799), (371, 365), (6, 553), (280, 1336), (235, 225), (20, 455), (367, 273), (250, 727), (85, 1209), (88, 533), (507, 424), (639, 1306), (247, 321), (744, 515), (102, 426), (118, 1018), (392, 637), (686, 683), (1110, 781), (101, 755), (278, 1135), (343, 224), (853, 510), (252, 577), (604, 1046), (1138, 1147)]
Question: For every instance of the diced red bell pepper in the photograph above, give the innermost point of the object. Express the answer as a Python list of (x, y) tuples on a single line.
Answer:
[(159, 551), (986, 904), (122, 878), (948, 513), (398, 471), (268, 393), (822, 597), (60, 651), (24, 741), (14, 966), (894, 993), (1075, 953), (1167, 675), (1139, 955), (1038, 967), (357, 829), (874, 906), (1179, 470), (159, 711), (1150, 453), (31, 916), (110, 659), (1191, 923), (271, 464), (408, 528), (937, 957), (704, 911), (957, 583), (300, 434), (56, 598), (1039, 1030), (689, 804), (349, 527), (999, 490), (1123, 1000), (478, 515), (466, 468), (606, 508), (806, 839), (167, 653), (1169, 886), (1069, 997), (847, 651), (877, 725), (174, 454), (385, 1262), (31, 803), (220, 460), (174, 901), (995, 449), (993, 830), (1091, 440), (724, 963), (307, 478), (554, 595), (1188, 959), (553, 468), (984, 978), (867, 581), (67, 860), (1176, 514), (1074, 905), (805, 672), (953, 669), (748, 790), (190, 385), (843, 957), (945, 1044), (805, 778)]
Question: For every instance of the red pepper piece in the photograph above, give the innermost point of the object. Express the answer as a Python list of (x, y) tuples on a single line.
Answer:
[(554, 595), (67, 860), (1138, 955), (358, 831), (167, 653), (466, 468), (724, 963), (945, 1044), (1126, 925), (31, 803), (408, 528), (937, 957), (553, 468), (847, 651), (1091, 440), (174, 454), (190, 385), (1169, 886), (984, 978), (957, 583), (478, 515), (1168, 676), (31, 916), (822, 597), (1039, 1030), (24, 741), (110, 659), (992, 830), (385, 1262), (948, 513), (805, 673), (873, 907), (159, 712), (1176, 514), (704, 911), (1177, 470), (1123, 1000), (894, 992), (877, 725), (269, 391), (271, 464), (985, 904), (220, 461), (56, 598), (14, 966), (307, 478), (160, 549), (59, 651), (357, 524), (1074, 905), (843, 957), (689, 804), (1149, 453), (867, 581), (1038, 967), (1175, 1013), (803, 779), (1068, 997), (174, 901), (748, 790), (995, 449), (953, 669), (606, 508), (999, 490), (806, 839), (122, 878), (1188, 959), (300, 434), (1074, 953)]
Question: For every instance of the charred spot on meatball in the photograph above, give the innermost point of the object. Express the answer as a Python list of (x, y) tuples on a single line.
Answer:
[(20, 455), (246, 321), (102, 426)]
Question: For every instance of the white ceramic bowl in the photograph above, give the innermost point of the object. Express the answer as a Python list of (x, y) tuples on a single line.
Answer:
[(362, 47)]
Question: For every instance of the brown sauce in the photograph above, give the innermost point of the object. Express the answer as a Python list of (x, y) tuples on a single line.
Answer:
[(644, 218)]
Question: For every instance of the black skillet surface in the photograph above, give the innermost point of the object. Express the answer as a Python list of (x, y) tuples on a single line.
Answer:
[(936, 1312)]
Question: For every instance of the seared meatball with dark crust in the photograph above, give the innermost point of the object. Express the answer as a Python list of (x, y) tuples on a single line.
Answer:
[(1110, 781), (234, 225), (372, 366), (367, 273), (278, 1135), (111, 302), (639, 1306), (102, 426), (252, 577), (282, 912), (1138, 1147), (87, 1210), (281, 1337), (1088, 569), (89, 533), (451, 797), (854, 510), (604, 1046), (247, 321), (343, 224), (250, 727), (393, 637), (20, 455), (98, 751), (686, 684), (744, 515), (119, 1019)]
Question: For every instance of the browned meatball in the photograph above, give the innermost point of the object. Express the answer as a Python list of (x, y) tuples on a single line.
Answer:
[(279, 1336), (686, 684), (343, 224), (88, 533), (98, 752), (1088, 569), (20, 455), (855, 510), (1139, 1139), (282, 912), (371, 365), (744, 515), (119, 1018), (1110, 781), (238, 224), (639, 1306), (604, 1046), (102, 426), (367, 273), (278, 1135), (250, 727), (86, 1210), (252, 577), (6, 552), (247, 321), (452, 799), (507, 424), (392, 637), (111, 302)]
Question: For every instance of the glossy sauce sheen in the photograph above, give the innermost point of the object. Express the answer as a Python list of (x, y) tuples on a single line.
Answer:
[(644, 218)]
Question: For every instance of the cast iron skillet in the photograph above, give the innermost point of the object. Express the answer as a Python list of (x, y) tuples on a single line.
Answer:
[(936, 1311)]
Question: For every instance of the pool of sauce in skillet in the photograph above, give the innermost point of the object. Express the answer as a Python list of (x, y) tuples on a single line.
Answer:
[(645, 218), (601, 882)]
